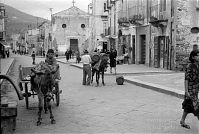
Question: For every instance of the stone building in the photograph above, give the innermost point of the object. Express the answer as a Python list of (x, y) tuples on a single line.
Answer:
[(99, 26), (3, 44), (186, 17), (70, 30), (155, 33)]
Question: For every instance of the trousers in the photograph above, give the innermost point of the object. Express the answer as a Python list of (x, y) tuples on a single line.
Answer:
[(86, 71)]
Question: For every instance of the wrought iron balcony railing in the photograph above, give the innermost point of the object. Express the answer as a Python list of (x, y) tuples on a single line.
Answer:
[(158, 12), (122, 16), (136, 14)]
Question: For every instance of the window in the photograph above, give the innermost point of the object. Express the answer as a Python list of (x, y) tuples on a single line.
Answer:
[(63, 25), (163, 5), (82, 25), (105, 27)]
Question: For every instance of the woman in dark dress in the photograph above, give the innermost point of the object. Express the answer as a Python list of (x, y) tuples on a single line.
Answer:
[(191, 101), (112, 57), (67, 54)]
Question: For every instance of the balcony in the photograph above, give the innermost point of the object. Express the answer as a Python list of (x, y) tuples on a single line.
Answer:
[(136, 15), (123, 18), (158, 16)]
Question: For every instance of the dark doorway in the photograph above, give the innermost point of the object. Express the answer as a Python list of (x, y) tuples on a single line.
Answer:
[(133, 49), (142, 49), (104, 47), (74, 44)]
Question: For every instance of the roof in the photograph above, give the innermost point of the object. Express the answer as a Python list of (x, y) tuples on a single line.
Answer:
[(71, 12)]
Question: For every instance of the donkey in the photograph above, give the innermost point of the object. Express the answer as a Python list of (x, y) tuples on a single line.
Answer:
[(99, 68), (42, 83)]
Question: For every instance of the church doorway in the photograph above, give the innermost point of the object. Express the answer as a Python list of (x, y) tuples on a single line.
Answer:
[(74, 44)]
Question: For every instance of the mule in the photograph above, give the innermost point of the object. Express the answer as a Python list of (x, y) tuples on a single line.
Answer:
[(42, 83), (99, 69)]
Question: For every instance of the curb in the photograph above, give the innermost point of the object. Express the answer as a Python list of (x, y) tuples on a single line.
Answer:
[(156, 87), (11, 65)]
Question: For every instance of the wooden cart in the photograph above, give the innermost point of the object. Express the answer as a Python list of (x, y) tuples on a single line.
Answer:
[(24, 81)]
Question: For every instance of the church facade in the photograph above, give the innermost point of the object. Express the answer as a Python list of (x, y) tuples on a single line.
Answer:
[(70, 30)]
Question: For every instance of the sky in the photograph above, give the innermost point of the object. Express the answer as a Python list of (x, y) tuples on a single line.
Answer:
[(40, 8)]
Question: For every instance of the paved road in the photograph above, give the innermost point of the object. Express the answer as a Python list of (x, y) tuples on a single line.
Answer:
[(111, 108)]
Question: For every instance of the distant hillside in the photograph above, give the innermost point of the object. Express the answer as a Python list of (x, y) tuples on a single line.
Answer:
[(17, 21)]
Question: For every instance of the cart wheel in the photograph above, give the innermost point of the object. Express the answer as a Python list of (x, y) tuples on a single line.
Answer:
[(57, 94), (26, 95), (20, 86)]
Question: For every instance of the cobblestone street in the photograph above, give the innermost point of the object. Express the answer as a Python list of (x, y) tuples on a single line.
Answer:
[(105, 109)]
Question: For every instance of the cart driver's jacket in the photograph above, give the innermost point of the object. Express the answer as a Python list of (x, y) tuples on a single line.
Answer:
[(53, 64)]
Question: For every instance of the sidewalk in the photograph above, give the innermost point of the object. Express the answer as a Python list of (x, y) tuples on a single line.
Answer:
[(161, 80), (5, 65)]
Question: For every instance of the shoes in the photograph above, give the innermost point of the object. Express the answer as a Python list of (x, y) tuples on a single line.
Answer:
[(184, 125)]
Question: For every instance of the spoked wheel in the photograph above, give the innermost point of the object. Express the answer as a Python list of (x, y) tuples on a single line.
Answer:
[(57, 94), (26, 95)]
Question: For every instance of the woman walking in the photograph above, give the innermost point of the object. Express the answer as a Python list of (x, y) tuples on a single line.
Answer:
[(191, 101), (33, 57), (67, 55), (112, 57)]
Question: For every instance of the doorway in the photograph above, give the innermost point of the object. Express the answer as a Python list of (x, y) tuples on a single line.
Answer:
[(133, 49), (74, 44), (105, 47), (142, 49)]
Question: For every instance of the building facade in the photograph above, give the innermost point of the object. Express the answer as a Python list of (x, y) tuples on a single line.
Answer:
[(70, 30), (2, 32), (155, 33)]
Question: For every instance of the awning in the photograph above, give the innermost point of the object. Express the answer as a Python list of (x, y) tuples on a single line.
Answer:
[(4, 44)]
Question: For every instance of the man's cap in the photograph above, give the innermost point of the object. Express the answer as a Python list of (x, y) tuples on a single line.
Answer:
[(85, 51)]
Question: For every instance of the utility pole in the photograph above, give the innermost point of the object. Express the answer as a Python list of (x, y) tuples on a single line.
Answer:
[(50, 33)]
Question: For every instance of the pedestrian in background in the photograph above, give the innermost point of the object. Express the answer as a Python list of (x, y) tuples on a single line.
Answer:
[(33, 57), (191, 101), (112, 57), (44, 53), (78, 58), (86, 59), (8, 53), (67, 55), (70, 54)]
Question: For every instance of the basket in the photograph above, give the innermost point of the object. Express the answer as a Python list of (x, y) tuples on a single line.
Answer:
[(95, 58), (120, 80)]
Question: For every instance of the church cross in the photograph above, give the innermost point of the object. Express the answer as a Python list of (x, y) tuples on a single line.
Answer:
[(73, 2)]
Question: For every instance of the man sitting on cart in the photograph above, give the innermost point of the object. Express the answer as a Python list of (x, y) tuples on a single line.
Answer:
[(50, 60)]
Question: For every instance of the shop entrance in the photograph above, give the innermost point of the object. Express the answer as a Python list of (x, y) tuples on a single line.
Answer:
[(142, 49)]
